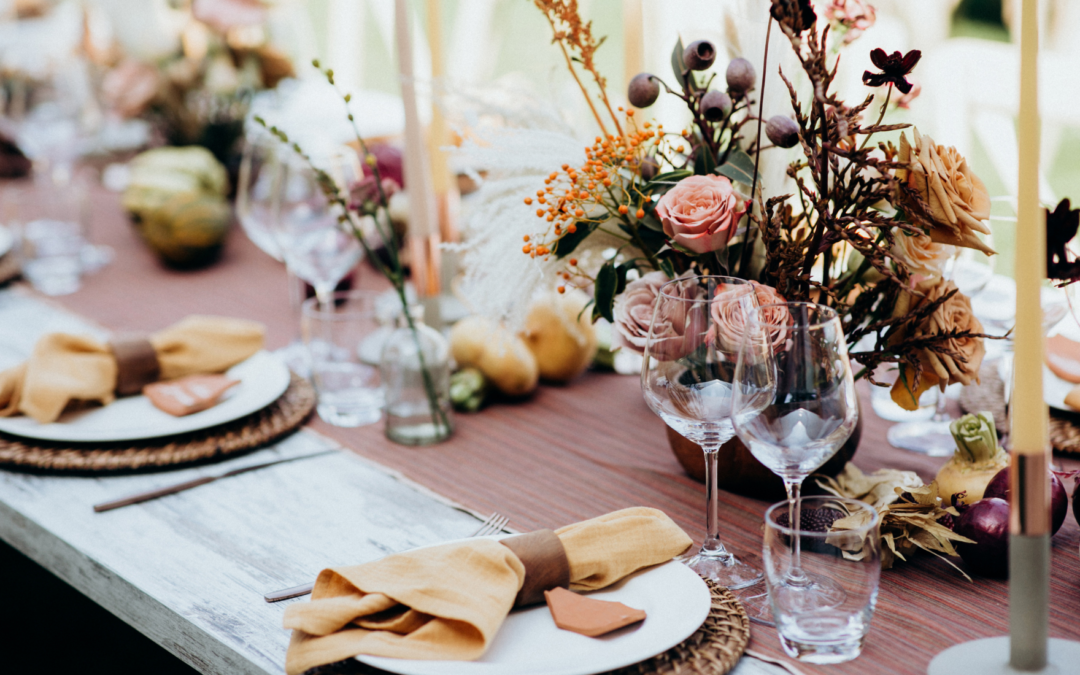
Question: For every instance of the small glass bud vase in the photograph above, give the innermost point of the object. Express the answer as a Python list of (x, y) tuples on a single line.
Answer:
[(415, 369)]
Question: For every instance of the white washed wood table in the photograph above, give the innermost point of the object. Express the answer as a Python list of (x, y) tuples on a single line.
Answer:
[(189, 570)]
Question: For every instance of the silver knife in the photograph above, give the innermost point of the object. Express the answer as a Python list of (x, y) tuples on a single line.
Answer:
[(187, 485)]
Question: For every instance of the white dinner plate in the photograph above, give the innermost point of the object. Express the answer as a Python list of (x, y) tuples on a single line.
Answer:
[(7, 240), (676, 602), (263, 378)]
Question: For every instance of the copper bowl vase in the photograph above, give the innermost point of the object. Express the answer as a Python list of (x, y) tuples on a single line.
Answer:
[(738, 471)]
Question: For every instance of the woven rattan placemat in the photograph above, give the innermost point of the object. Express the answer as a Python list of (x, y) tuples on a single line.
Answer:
[(989, 394), (713, 650), (249, 432)]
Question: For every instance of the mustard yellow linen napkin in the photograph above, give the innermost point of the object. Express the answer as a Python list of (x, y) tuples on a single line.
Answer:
[(65, 368), (448, 602)]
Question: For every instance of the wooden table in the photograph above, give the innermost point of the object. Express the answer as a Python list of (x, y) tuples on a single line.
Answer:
[(575, 452)]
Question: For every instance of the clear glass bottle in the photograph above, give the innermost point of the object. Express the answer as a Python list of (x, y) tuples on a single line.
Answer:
[(415, 369)]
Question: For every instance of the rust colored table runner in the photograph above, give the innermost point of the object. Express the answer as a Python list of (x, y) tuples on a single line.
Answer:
[(574, 452)]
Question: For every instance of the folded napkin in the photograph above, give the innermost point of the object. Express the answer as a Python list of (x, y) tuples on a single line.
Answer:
[(65, 368), (448, 602)]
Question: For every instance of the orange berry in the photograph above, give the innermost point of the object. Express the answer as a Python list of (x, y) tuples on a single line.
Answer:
[(562, 289), (629, 113), (539, 193), (528, 201), (623, 209), (607, 183), (679, 149), (640, 213), (571, 228), (525, 238), (573, 262), (550, 217), (583, 195), (565, 167), (579, 213), (541, 200), (539, 213), (526, 248)]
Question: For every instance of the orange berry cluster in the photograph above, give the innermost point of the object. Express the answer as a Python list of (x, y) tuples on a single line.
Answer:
[(568, 194)]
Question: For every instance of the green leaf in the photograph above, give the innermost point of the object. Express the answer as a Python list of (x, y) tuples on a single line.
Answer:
[(677, 63), (739, 167), (620, 276), (654, 240), (669, 178), (704, 162), (607, 284), (570, 242), (667, 268)]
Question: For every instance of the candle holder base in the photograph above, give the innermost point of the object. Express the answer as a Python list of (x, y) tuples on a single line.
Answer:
[(990, 656)]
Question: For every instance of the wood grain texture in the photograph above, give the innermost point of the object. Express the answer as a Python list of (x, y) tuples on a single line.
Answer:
[(567, 453)]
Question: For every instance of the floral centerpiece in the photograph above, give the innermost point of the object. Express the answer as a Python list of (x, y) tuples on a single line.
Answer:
[(868, 225)]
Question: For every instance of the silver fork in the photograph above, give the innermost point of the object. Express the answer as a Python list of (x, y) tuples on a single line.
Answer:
[(493, 524)]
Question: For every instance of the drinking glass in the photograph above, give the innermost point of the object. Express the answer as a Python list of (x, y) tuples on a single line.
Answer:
[(318, 246), (350, 391), (259, 180), (795, 405), (686, 377), (838, 541), (52, 236)]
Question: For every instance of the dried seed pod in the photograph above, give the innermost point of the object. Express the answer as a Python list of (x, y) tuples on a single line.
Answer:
[(699, 55), (741, 77), (643, 90), (782, 131), (649, 168), (715, 105)]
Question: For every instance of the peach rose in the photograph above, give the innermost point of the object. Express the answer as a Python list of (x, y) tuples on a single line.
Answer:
[(223, 15), (679, 321), (729, 309), (701, 213), (854, 15), (964, 355), (920, 254), (955, 200)]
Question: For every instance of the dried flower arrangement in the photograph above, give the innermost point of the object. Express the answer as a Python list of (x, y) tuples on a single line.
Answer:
[(867, 231)]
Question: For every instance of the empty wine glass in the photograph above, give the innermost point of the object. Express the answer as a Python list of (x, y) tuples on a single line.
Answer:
[(317, 244), (686, 377), (795, 405), (259, 180)]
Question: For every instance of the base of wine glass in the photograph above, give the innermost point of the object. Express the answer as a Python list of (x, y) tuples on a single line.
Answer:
[(725, 569), (931, 437), (296, 357), (755, 601)]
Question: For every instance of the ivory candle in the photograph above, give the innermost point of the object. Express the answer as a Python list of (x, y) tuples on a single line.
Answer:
[(1029, 413), (422, 220), (437, 138)]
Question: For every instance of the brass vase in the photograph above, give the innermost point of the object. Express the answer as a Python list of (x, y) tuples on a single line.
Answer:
[(739, 471)]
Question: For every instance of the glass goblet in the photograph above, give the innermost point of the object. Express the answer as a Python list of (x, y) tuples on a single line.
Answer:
[(686, 377), (795, 405), (317, 244)]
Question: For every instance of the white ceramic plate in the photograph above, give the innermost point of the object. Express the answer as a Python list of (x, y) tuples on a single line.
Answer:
[(7, 240), (676, 602), (263, 378)]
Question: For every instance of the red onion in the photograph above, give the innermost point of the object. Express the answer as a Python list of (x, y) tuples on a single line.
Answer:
[(986, 522), (1059, 499)]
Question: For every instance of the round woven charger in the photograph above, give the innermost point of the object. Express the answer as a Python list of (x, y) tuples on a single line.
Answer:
[(713, 650), (989, 395), (282, 416)]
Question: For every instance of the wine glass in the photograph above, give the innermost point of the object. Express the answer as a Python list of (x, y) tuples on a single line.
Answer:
[(686, 377), (259, 180), (316, 238), (794, 406)]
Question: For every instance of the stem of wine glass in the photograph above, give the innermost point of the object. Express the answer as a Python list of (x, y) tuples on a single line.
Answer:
[(939, 408), (325, 294), (795, 576), (712, 546)]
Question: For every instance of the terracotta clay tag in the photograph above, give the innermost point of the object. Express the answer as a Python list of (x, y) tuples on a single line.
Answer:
[(1063, 358), (188, 395), (588, 616)]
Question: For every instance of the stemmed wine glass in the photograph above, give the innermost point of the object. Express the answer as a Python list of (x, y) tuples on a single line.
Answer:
[(317, 245), (686, 377), (795, 405)]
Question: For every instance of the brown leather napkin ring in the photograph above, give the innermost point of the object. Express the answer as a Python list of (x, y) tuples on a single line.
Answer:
[(546, 566), (136, 364)]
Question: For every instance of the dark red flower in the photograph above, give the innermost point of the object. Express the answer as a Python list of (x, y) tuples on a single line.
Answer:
[(894, 68), (798, 15), (1061, 226)]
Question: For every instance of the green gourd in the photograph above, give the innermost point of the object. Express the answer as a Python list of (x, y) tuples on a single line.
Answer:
[(187, 229)]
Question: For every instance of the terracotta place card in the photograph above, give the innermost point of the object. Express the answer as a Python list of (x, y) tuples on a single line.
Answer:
[(188, 395), (589, 616), (1063, 358)]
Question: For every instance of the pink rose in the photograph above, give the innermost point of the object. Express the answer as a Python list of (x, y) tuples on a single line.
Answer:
[(701, 213), (729, 309), (854, 15), (679, 321), (223, 15)]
